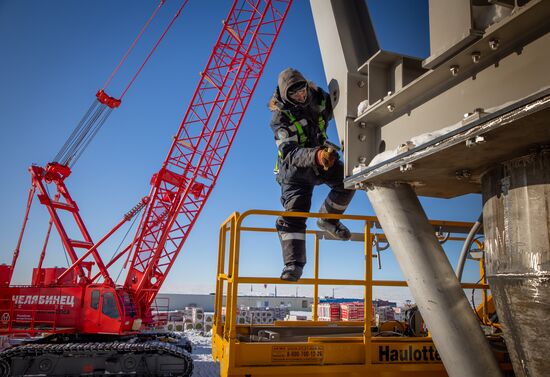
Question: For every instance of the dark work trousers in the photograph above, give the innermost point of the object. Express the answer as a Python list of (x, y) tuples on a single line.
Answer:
[(297, 198)]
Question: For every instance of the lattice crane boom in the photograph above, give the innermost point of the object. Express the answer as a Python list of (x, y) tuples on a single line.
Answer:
[(188, 175), (80, 305)]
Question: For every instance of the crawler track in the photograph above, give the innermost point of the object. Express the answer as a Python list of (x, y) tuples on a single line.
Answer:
[(147, 358)]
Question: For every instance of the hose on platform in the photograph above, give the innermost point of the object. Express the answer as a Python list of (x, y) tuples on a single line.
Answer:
[(466, 247)]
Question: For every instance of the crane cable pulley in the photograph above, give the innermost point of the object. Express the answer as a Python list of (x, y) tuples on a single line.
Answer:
[(103, 104)]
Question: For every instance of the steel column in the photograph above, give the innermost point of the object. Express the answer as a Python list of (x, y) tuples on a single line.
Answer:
[(434, 286), (516, 214), (346, 41)]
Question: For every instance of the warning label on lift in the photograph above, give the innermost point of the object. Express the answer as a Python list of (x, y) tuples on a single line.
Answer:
[(303, 353)]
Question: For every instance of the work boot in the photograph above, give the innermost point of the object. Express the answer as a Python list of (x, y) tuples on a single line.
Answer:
[(291, 272), (336, 230)]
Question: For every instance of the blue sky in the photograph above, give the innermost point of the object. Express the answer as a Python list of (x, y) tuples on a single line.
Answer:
[(57, 54)]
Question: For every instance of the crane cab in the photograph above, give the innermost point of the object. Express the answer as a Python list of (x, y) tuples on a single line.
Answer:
[(107, 310)]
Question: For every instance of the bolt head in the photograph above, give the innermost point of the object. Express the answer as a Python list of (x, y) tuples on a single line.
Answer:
[(476, 56), (406, 167), (463, 174), (391, 107), (479, 139), (454, 69), (494, 44), (362, 137)]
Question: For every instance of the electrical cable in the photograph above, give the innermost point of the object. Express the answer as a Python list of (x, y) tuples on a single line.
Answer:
[(444, 239), (384, 333), (410, 318), (466, 246), (473, 300), (377, 243)]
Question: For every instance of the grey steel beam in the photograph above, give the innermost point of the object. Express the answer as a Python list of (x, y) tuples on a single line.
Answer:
[(516, 216), (451, 164), (347, 40), (437, 292), (451, 29), (515, 66)]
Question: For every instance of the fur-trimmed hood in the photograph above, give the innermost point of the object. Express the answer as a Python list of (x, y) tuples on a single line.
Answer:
[(287, 78)]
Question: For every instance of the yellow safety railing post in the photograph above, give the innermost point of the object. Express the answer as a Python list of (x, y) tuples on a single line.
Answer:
[(230, 309), (315, 315), (219, 280), (367, 311), (234, 278), (486, 319)]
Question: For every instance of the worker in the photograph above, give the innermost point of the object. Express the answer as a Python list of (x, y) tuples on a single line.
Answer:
[(301, 112)]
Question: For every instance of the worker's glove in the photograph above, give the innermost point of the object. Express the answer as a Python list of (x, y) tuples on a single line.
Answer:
[(326, 157)]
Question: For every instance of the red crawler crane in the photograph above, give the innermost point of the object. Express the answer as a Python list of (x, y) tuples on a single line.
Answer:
[(93, 323)]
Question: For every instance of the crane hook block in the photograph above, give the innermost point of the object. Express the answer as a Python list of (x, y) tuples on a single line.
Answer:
[(105, 99)]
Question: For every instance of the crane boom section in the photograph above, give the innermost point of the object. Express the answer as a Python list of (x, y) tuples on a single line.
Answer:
[(181, 187)]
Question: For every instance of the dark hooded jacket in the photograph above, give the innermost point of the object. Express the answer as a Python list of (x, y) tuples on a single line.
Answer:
[(296, 161)]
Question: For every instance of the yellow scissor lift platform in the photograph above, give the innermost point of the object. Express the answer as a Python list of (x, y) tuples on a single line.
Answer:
[(322, 348)]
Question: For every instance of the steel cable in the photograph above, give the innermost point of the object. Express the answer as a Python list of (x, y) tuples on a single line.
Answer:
[(65, 146), (122, 241), (93, 120), (75, 145), (91, 136)]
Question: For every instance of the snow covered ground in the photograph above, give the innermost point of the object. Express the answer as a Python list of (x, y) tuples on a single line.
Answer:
[(204, 365)]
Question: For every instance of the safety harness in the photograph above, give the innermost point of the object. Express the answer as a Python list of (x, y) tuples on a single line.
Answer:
[(302, 138)]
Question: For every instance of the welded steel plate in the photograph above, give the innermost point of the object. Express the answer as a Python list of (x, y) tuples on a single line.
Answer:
[(451, 165)]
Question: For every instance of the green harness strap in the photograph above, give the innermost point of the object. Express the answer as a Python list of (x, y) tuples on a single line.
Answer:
[(322, 125), (302, 138)]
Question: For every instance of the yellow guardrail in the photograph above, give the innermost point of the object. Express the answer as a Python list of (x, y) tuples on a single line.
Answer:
[(229, 247)]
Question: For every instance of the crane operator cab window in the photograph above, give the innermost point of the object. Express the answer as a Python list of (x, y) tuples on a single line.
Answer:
[(109, 307), (94, 302)]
